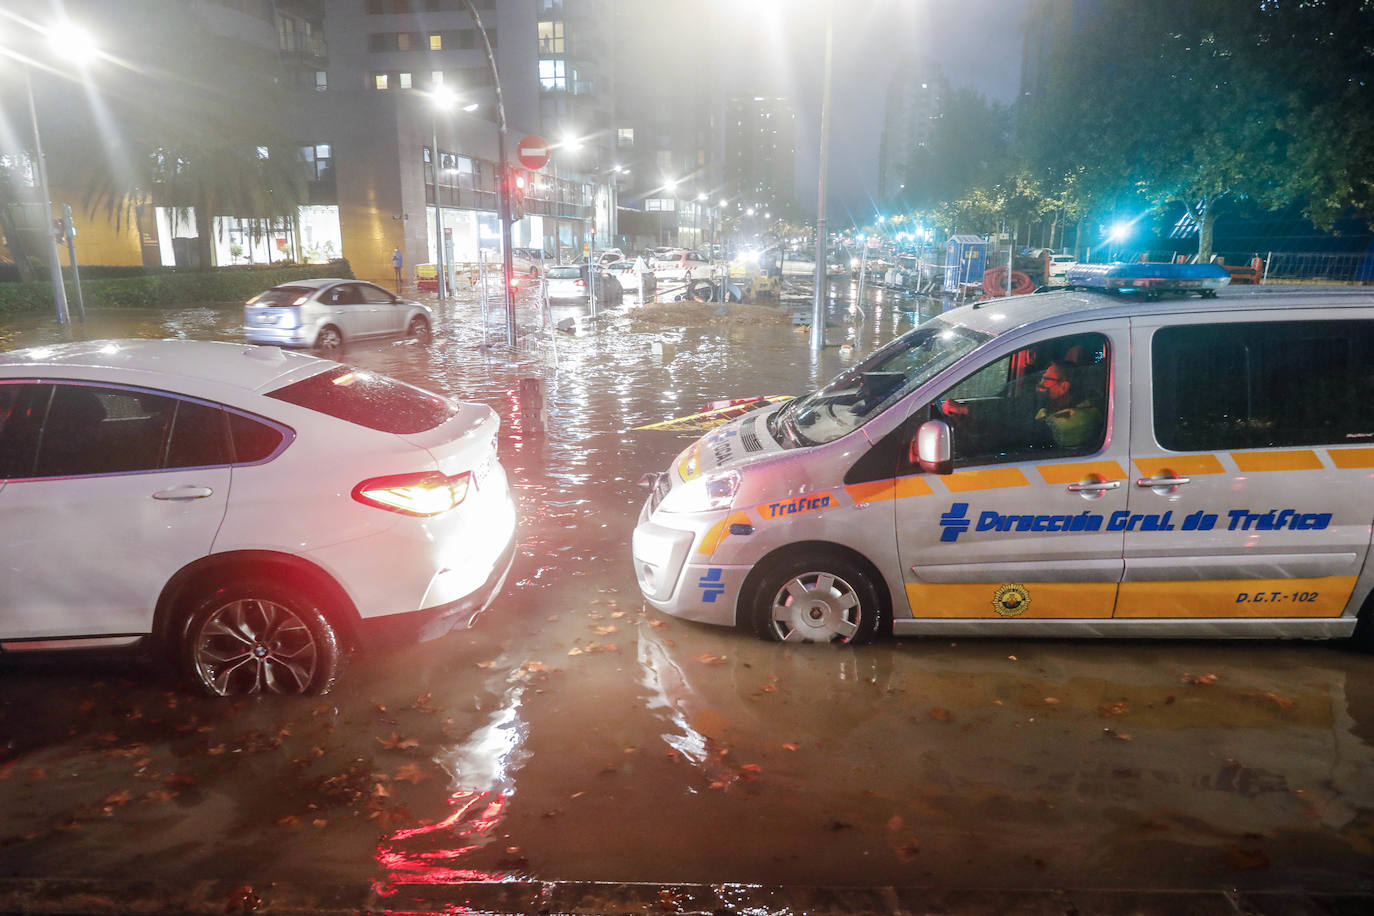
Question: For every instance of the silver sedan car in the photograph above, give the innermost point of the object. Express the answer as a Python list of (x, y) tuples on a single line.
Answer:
[(329, 312)]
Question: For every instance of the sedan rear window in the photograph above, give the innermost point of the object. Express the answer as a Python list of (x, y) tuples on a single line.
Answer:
[(563, 273), (370, 400), (281, 295)]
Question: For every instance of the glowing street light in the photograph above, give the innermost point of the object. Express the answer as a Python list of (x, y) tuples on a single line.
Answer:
[(75, 45)]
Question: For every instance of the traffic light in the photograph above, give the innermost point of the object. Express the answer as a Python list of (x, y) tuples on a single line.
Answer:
[(518, 183)]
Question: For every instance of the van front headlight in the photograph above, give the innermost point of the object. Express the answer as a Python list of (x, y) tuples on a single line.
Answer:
[(702, 494)]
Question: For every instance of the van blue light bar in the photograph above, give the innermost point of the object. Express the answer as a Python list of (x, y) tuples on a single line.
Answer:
[(1204, 279)]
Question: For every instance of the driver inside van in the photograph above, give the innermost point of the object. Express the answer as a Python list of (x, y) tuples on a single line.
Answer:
[(1059, 407)]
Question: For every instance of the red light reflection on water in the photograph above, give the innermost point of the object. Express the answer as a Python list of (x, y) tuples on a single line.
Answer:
[(475, 816)]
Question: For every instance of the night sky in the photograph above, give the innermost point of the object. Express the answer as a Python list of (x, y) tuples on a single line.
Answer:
[(977, 43)]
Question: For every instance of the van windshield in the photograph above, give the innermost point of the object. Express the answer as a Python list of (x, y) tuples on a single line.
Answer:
[(859, 394)]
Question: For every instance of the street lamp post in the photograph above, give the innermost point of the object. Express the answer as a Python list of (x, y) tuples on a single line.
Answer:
[(59, 290), (818, 302), (441, 99)]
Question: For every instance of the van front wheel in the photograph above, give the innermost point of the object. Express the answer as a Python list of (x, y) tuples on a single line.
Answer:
[(816, 598)]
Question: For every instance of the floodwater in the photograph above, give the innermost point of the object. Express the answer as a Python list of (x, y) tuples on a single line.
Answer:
[(574, 733)]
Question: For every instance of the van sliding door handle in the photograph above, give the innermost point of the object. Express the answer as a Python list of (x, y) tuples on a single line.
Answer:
[(1096, 485), (1162, 481)]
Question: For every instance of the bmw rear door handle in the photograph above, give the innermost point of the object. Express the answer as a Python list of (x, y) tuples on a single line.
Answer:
[(180, 493)]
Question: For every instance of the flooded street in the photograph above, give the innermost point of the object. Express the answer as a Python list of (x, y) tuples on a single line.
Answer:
[(576, 734)]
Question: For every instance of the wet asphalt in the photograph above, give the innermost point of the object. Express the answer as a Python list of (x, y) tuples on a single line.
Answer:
[(577, 751)]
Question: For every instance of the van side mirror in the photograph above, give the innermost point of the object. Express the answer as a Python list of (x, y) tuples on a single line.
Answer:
[(934, 448)]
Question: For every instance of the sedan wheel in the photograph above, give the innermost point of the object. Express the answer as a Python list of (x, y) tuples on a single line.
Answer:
[(418, 329), (259, 637), (817, 599), (329, 338)]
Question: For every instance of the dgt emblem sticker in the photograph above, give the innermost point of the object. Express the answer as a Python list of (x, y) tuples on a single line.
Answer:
[(1011, 600)]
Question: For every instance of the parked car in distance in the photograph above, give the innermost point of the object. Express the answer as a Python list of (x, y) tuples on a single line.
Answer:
[(569, 283), (609, 256), (329, 312), (529, 261), (634, 276), (1059, 267), (362, 510), (679, 264)]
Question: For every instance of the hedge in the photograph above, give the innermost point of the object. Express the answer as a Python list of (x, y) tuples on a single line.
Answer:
[(225, 284)]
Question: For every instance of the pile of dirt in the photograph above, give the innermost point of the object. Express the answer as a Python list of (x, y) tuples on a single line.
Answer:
[(669, 314)]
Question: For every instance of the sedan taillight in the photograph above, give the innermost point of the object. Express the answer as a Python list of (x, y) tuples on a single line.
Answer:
[(428, 493)]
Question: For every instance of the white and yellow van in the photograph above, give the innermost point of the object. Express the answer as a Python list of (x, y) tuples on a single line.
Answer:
[(1216, 478)]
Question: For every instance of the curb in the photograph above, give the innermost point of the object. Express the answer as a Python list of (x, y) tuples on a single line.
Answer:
[(48, 897)]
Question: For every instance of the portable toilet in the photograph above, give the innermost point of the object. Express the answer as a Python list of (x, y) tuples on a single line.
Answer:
[(966, 258)]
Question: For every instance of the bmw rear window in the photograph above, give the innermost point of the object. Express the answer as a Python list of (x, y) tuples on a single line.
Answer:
[(280, 295), (367, 399), (564, 273)]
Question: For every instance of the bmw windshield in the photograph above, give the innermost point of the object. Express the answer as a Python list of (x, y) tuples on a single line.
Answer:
[(859, 394)]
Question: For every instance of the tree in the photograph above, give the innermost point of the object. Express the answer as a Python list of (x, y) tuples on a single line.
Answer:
[(968, 148), (197, 123), (1197, 103)]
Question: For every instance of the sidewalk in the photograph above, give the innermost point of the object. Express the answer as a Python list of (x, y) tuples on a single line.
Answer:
[(89, 898)]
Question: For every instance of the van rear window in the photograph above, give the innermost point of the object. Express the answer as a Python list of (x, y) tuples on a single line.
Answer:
[(1264, 385), (367, 399)]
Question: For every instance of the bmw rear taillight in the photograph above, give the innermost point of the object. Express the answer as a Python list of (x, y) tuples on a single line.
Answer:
[(580, 282), (423, 494)]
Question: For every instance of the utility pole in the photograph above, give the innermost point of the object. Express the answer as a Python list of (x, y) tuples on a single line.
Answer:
[(818, 303), (504, 201)]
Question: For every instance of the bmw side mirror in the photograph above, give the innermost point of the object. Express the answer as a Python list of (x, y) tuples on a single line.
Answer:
[(934, 447)]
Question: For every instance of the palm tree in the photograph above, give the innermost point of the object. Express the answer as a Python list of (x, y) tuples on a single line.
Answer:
[(192, 122)]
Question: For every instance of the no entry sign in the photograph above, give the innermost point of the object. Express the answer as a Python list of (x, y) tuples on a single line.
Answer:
[(533, 152)]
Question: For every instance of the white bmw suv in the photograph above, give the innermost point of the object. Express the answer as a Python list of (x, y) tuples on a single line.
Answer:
[(253, 513)]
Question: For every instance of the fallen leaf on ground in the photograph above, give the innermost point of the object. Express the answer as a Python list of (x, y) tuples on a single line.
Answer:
[(1052, 701), (1278, 700), (894, 823), (1113, 709), (490, 664), (607, 630), (1119, 736), (706, 658), (940, 714), (769, 688), (791, 746), (908, 851), (658, 624), (122, 797), (397, 743), (412, 774), (1199, 679)]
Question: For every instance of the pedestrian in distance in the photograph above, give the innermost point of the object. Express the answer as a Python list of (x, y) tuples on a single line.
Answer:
[(397, 262)]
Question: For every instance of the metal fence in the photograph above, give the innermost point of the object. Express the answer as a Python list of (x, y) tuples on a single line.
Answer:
[(1289, 266)]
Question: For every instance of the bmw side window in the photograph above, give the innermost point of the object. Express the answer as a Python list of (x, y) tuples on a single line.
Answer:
[(1263, 385), (21, 419), (92, 430), (198, 437), (254, 440)]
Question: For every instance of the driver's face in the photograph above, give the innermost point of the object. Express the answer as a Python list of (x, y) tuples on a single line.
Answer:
[(1053, 384)]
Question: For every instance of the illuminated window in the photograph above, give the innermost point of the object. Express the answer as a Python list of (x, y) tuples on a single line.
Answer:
[(625, 136), (402, 41), (436, 42), (404, 80), (379, 80), (551, 38), (552, 75), (263, 153), (436, 78), (321, 80)]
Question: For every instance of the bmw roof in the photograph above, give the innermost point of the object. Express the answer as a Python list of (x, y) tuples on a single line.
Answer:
[(246, 366)]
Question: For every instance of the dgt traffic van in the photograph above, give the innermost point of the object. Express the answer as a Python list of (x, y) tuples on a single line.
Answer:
[(1065, 464)]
